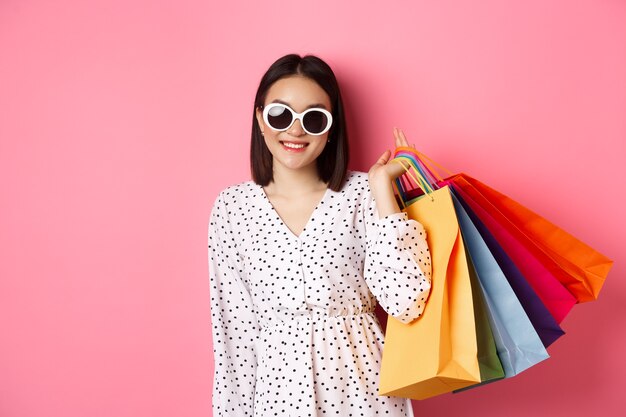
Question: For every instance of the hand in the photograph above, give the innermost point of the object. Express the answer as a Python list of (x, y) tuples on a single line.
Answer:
[(384, 171)]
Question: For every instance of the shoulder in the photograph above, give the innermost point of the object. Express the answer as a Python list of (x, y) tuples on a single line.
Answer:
[(357, 182), (235, 195), (235, 190), (356, 190), (356, 175)]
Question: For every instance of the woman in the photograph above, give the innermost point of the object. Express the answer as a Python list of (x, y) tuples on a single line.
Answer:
[(299, 256)]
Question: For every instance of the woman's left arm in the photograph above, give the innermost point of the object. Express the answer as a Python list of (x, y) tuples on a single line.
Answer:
[(382, 173), (397, 262)]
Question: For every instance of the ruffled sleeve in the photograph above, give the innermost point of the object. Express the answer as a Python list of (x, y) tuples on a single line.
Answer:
[(397, 262), (234, 323)]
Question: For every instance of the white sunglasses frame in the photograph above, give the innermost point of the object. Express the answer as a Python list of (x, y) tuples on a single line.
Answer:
[(295, 115)]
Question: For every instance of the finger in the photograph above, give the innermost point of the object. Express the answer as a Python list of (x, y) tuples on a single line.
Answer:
[(398, 142), (403, 138), (400, 138)]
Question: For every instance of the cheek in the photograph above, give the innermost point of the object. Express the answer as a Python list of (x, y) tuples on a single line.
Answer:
[(271, 140), (268, 134), (321, 145)]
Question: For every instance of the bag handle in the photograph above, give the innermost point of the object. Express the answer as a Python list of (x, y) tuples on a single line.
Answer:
[(420, 180), (417, 163), (427, 162)]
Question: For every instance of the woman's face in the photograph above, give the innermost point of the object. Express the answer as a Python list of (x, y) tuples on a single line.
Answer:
[(299, 93)]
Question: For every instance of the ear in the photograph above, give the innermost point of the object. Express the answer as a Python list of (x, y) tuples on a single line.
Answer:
[(259, 119)]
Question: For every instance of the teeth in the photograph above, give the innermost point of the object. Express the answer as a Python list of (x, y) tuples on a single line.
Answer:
[(293, 145)]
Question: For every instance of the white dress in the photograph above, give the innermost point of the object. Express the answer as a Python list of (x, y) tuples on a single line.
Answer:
[(293, 324)]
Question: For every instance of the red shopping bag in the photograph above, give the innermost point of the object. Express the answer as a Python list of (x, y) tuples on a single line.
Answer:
[(579, 267)]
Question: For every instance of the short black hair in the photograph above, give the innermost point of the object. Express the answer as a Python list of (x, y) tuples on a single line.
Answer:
[(332, 163)]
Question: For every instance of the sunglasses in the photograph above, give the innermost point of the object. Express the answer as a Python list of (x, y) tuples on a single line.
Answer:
[(314, 121)]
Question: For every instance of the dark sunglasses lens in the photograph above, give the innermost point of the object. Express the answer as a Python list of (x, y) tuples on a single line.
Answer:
[(279, 117), (315, 121)]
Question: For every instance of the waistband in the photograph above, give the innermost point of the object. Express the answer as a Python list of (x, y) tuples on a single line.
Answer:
[(316, 315)]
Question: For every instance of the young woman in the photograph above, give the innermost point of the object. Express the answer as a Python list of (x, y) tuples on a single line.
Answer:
[(299, 257)]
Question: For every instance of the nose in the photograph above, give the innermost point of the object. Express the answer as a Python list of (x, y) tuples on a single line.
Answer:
[(296, 129)]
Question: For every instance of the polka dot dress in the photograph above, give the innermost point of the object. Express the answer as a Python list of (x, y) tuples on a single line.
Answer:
[(294, 330)]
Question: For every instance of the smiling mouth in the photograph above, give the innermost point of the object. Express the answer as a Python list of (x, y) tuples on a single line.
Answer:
[(292, 145)]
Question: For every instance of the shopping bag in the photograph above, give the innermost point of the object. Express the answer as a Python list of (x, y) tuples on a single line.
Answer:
[(584, 269), (437, 353), (488, 360), (544, 282), (519, 346), (540, 316), (542, 321)]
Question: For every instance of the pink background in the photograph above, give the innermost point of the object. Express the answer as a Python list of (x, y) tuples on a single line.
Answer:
[(121, 120)]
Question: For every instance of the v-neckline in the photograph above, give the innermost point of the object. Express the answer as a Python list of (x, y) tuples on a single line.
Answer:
[(282, 222)]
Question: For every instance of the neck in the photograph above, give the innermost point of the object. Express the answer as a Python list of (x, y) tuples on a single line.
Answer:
[(296, 182)]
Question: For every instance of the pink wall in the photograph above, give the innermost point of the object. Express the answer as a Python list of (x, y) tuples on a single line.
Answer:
[(121, 120)]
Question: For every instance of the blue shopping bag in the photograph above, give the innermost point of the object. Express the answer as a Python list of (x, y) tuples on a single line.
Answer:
[(544, 323), (518, 344)]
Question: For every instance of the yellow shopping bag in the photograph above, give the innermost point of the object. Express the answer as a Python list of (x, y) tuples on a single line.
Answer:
[(437, 353)]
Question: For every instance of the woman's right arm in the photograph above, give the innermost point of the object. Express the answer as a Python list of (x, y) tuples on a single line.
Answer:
[(234, 323)]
